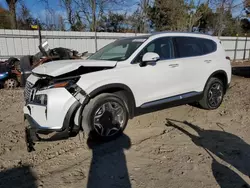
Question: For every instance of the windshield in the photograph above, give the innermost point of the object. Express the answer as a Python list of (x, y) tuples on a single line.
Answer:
[(119, 50)]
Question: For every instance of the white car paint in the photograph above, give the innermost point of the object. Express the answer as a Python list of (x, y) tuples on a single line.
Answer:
[(56, 68), (164, 79), (59, 102)]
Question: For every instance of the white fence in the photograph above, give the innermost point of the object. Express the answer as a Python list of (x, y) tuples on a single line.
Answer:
[(21, 42)]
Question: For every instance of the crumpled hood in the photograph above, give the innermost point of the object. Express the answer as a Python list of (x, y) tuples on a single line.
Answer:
[(57, 68)]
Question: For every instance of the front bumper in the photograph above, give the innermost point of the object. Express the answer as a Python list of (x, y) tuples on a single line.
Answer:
[(57, 115)]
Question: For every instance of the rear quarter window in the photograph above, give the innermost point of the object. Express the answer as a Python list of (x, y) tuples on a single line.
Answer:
[(193, 46)]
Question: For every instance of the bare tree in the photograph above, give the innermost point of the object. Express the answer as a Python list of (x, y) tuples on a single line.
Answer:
[(24, 17), (61, 25), (71, 12), (92, 11), (50, 22), (144, 15), (12, 9), (195, 13), (223, 9)]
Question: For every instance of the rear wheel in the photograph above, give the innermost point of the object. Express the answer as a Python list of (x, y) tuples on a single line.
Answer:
[(10, 83), (105, 117), (213, 94)]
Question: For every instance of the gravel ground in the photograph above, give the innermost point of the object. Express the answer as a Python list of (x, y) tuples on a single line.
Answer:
[(179, 147)]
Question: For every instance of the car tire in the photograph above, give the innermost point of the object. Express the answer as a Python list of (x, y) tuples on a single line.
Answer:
[(213, 94), (11, 83), (100, 120)]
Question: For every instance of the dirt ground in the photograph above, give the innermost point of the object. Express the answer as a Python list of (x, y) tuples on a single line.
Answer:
[(178, 147), (241, 63)]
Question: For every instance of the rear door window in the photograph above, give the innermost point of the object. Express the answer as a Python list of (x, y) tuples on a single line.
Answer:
[(192, 46)]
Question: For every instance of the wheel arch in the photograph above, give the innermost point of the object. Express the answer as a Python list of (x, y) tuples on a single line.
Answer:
[(116, 88), (222, 75)]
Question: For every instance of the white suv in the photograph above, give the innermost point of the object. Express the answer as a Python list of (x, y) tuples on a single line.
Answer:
[(126, 78)]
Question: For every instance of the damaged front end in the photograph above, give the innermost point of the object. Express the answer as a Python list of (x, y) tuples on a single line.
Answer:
[(53, 105), (54, 100), (50, 119)]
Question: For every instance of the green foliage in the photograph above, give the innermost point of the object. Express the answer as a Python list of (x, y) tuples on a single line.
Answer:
[(168, 15)]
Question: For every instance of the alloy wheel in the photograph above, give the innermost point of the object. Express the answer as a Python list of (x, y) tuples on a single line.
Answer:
[(109, 119), (215, 95)]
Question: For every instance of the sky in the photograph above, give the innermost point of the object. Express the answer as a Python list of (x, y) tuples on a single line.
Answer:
[(36, 6), (38, 9)]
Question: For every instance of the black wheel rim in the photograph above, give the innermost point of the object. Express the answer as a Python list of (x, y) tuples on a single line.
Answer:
[(109, 119), (215, 95)]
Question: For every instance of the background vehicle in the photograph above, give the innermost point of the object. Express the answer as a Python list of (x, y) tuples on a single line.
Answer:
[(45, 55), (10, 75), (124, 79)]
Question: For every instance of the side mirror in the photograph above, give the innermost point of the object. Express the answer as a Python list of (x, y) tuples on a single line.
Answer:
[(149, 57)]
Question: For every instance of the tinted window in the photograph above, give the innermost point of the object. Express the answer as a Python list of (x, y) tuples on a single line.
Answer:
[(209, 46), (162, 46), (191, 46)]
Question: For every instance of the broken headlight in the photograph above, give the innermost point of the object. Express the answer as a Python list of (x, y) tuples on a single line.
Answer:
[(63, 82), (40, 99)]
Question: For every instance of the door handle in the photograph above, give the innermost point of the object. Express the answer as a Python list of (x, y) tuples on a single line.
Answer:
[(208, 61), (174, 65)]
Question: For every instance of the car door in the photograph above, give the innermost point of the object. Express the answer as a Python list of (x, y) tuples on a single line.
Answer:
[(193, 59), (160, 80)]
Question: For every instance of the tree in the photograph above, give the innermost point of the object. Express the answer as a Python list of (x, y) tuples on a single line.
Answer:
[(72, 15), (24, 20), (92, 11), (143, 11), (168, 15), (247, 7), (136, 21), (78, 25), (197, 11), (61, 25), (245, 24), (223, 16), (12, 9), (5, 21), (113, 22), (204, 24)]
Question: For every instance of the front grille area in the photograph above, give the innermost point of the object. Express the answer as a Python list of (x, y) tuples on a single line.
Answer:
[(27, 91)]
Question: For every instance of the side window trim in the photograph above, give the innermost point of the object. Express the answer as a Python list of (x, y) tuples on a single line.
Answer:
[(173, 49)]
